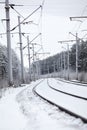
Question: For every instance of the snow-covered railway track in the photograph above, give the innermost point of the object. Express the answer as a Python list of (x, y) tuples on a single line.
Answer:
[(72, 82), (68, 88), (71, 104)]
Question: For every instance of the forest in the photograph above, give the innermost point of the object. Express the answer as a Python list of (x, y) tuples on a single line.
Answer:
[(60, 62), (4, 67)]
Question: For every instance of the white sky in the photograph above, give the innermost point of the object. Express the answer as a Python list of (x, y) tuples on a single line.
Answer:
[(55, 21)]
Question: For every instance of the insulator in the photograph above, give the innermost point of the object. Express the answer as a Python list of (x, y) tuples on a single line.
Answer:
[(12, 35)]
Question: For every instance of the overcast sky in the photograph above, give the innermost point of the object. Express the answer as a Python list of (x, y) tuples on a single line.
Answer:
[(55, 21)]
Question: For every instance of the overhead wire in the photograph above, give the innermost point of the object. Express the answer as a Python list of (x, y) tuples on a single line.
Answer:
[(40, 22), (26, 18), (16, 11)]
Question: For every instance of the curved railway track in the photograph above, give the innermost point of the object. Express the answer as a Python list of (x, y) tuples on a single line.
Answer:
[(65, 92), (43, 94), (73, 82)]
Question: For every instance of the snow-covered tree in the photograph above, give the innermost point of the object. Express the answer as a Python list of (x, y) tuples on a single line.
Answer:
[(4, 64)]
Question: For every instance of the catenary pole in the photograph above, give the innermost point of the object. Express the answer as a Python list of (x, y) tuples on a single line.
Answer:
[(77, 42), (77, 56), (61, 64), (33, 62), (64, 64), (21, 51), (29, 57), (10, 76), (68, 60)]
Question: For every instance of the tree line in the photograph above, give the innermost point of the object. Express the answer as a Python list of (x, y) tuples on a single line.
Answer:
[(16, 68), (59, 62)]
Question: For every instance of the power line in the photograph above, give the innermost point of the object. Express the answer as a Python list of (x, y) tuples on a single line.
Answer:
[(24, 5), (12, 7), (26, 18)]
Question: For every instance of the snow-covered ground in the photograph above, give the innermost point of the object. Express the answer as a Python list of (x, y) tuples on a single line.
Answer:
[(21, 109)]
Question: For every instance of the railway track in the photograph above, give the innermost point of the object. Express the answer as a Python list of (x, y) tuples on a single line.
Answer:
[(72, 90), (71, 103), (72, 82)]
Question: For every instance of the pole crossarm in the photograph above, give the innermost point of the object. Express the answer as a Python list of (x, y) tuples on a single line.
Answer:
[(43, 53), (66, 41), (26, 18), (78, 17), (14, 33), (10, 33), (37, 44)]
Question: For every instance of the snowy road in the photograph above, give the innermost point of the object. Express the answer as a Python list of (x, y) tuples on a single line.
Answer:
[(21, 109), (70, 103)]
